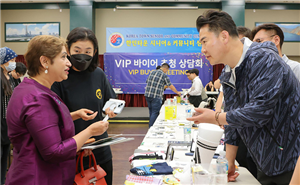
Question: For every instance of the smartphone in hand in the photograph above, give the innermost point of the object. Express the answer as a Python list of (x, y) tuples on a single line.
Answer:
[(115, 105)]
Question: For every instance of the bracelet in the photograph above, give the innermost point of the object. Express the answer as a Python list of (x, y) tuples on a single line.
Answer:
[(217, 117)]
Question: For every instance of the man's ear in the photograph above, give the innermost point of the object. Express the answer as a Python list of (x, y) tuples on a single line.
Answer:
[(276, 40), (224, 36)]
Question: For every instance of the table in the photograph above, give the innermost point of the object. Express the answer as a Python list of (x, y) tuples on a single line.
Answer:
[(212, 93), (160, 144)]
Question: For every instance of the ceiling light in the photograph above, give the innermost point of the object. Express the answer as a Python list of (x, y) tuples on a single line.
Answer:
[(156, 7)]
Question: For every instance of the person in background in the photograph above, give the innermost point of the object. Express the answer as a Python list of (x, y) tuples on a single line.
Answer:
[(8, 64), (195, 91), (261, 96), (17, 73), (40, 125), (156, 81), (87, 87), (244, 32), (272, 32), (163, 96), (210, 86)]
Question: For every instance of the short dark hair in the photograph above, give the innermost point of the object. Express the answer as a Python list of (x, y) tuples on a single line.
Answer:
[(270, 27), (195, 71), (83, 34), (187, 71), (245, 32), (217, 21), (20, 68), (165, 64), (158, 67)]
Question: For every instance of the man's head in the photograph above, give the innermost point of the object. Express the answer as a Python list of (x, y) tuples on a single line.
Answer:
[(19, 71), (244, 32), (187, 72), (269, 32), (165, 67), (216, 29), (192, 74)]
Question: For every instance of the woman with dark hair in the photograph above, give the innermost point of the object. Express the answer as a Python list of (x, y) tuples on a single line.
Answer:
[(209, 86), (87, 87), (8, 63), (17, 73)]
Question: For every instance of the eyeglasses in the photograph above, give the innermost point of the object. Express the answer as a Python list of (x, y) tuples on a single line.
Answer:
[(260, 40)]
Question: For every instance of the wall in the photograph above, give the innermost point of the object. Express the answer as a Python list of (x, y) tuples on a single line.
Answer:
[(40, 15), (291, 49), (142, 18)]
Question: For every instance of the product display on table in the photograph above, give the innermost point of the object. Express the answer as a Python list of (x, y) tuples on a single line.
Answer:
[(147, 156), (153, 169), (186, 170)]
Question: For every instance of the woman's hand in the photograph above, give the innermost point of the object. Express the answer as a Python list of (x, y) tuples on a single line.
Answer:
[(84, 114), (98, 128), (110, 113), (203, 115)]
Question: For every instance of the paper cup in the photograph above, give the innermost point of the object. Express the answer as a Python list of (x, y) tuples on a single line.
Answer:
[(210, 132), (205, 150)]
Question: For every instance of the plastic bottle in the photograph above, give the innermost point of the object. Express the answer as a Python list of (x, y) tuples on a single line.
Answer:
[(175, 100), (222, 163), (187, 131), (188, 111), (221, 169)]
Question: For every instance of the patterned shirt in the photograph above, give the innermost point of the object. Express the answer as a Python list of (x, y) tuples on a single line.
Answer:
[(263, 109), (156, 81)]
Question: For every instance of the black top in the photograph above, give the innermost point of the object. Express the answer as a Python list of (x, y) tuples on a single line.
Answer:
[(88, 90), (208, 88), (4, 102)]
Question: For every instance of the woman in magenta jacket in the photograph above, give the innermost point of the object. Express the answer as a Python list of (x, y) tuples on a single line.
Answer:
[(40, 125)]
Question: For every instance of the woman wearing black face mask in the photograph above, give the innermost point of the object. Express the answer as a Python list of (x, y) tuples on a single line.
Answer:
[(87, 87)]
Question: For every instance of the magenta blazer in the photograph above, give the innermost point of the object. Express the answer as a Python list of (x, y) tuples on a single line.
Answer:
[(40, 128)]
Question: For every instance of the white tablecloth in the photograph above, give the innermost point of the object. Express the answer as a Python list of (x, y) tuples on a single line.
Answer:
[(151, 143)]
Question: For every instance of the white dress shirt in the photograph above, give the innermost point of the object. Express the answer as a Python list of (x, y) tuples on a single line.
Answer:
[(294, 65), (196, 88)]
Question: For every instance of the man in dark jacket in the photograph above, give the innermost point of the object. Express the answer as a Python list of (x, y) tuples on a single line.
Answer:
[(262, 99)]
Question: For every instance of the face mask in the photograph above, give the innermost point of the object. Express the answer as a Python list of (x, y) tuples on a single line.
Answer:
[(80, 61), (11, 66)]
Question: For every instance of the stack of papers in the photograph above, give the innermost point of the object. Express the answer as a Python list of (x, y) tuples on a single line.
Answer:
[(132, 180), (106, 142)]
